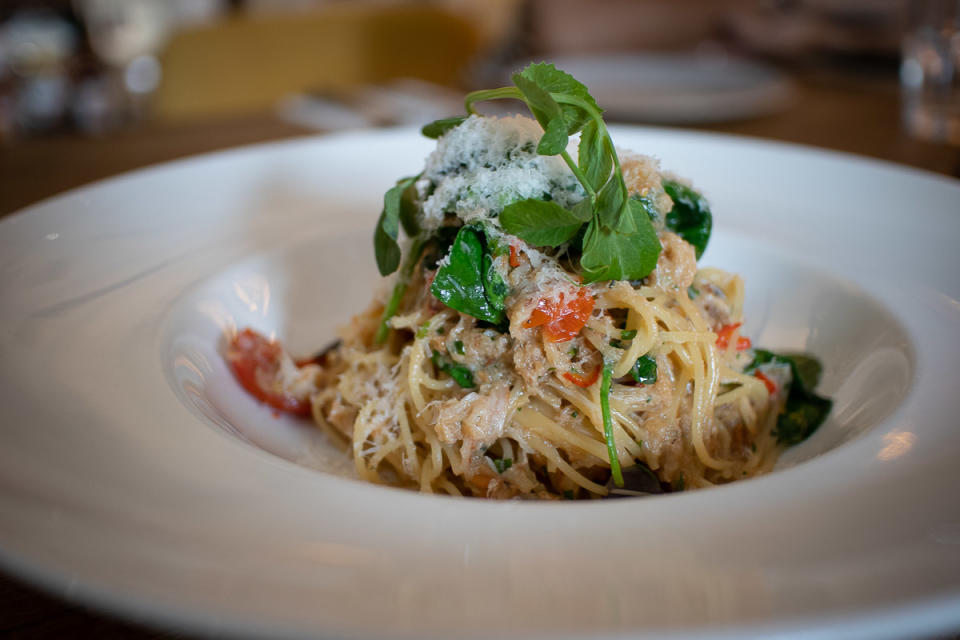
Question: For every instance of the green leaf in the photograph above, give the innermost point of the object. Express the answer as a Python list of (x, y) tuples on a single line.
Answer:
[(540, 223), (644, 370), (554, 140), (583, 210), (802, 415), (804, 410), (468, 282), (610, 203), (554, 81), (493, 285), (690, 217), (593, 156), (611, 255), (548, 113), (807, 369), (544, 108), (410, 208), (385, 246), (439, 127), (460, 374), (502, 464)]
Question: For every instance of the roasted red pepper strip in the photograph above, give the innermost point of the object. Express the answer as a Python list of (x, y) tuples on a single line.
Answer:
[(580, 381), (561, 319), (770, 384), (255, 361), (724, 334)]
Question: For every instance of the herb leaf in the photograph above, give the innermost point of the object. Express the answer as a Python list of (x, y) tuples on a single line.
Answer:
[(502, 464), (385, 246), (618, 240), (804, 410), (468, 282), (610, 203), (460, 374), (593, 158), (610, 255), (539, 222), (644, 370), (690, 217), (554, 81), (439, 127)]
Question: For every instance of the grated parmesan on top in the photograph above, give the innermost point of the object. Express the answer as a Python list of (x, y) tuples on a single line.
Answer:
[(486, 163)]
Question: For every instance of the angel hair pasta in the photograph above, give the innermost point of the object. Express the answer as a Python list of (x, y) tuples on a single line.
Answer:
[(548, 333)]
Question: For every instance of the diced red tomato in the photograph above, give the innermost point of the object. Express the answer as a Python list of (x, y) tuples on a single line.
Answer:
[(770, 384), (582, 381), (724, 334), (514, 257), (562, 319), (255, 361)]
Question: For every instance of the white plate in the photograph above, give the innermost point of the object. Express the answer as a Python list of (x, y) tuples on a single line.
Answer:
[(679, 88), (135, 475)]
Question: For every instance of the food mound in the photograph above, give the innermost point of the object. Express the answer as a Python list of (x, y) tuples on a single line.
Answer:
[(549, 333)]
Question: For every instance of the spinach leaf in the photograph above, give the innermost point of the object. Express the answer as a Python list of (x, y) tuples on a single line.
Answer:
[(690, 217), (802, 415), (804, 410), (439, 127), (460, 374), (468, 282), (644, 370), (539, 222)]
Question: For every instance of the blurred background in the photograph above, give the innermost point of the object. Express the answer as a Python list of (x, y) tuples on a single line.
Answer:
[(90, 88)]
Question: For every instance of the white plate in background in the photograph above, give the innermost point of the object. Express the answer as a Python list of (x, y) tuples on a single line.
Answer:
[(135, 475), (678, 88)]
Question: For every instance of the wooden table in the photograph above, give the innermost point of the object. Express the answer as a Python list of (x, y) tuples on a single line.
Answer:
[(839, 112)]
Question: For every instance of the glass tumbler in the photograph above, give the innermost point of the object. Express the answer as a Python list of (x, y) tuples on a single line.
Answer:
[(930, 70)]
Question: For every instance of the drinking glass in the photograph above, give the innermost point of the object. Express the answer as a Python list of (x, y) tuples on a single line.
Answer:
[(930, 70)]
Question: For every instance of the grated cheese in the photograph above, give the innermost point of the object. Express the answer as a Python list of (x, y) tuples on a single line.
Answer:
[(485, 164)]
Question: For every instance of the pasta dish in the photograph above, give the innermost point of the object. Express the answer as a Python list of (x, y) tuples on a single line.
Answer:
[(549, 333)]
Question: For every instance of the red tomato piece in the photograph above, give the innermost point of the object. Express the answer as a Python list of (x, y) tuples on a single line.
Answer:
[(514, 257), (255, 361), (770, 384), (562, 319), (724, 334), (582, 381)]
